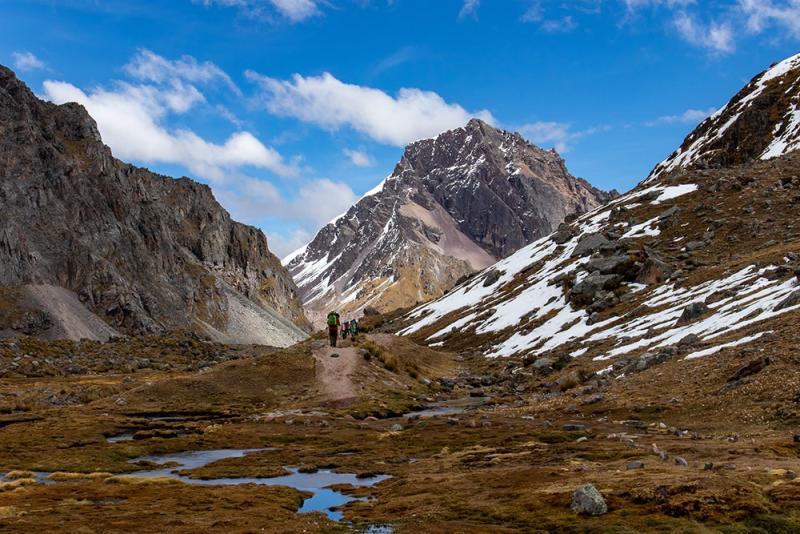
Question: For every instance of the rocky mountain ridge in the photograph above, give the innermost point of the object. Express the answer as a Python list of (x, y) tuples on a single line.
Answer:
[(93, 247), (701, 257), (454, 204)]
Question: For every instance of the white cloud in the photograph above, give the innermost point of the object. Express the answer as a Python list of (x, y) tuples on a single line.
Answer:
[(716, 36), (469, 9), (131, 119), (359, 158), (690, 116), (150, 67), (27, 61), (761, 15), (284, 244), (331, 104), (555, 134), (294, 10), (251, 200)]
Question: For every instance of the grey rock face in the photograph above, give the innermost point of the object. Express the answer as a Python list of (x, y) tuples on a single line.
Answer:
[(144, 252), (693, 311), (453, 205), (588, 244), (587, 500)]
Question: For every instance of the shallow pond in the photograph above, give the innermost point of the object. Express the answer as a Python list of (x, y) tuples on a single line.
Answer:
[(449, 407), (322, 500)]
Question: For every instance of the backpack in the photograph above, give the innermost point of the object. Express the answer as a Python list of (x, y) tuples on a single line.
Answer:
[(332, 319)]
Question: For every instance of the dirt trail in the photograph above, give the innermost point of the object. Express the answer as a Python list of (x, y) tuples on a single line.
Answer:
[(335, 375)]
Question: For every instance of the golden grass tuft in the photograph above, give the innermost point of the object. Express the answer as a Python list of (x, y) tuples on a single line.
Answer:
[(20, 482), (131, 480), (7, 512), (17, 474)]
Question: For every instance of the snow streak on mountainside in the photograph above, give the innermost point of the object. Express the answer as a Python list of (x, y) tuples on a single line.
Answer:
[(453, 205), (692, 261), (761, 121)]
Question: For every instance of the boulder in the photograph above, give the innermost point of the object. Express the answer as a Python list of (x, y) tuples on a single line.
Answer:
[(588, 500), (654, 271), (611, 265), (491, 277), (564, 233), (586, 291), (543, 363), (692, 312), (695, 245), (792, 300), (589, 243), (754, 367)]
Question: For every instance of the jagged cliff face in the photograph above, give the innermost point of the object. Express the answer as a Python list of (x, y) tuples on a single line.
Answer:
[(702, 256), (88, 238), (453, 205)]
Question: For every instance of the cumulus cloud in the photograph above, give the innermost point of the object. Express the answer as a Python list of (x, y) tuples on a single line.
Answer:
[(761, 15), (331, 104), (150, 67), (294, 10), (359, 158), (690, 116), (27, 61), (132, 118), (715, 36), (252, 200)]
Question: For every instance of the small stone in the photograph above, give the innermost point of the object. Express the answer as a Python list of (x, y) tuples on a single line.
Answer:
[(708, 466), (797, 438), (587, 500), (634, 465), (680, 461), (396, 428), (572, 427), (581, 439)]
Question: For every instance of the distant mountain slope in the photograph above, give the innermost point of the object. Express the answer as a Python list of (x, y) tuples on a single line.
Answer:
[(690, 262), (90, 246), (762, 121), (454, 204)]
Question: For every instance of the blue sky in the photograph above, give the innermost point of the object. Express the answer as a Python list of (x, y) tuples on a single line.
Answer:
[(290, 109)]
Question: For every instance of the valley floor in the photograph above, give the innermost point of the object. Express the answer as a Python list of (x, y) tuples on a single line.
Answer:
[(494, 452)]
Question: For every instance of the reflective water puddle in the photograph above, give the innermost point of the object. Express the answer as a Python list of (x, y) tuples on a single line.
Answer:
[(322, 500)]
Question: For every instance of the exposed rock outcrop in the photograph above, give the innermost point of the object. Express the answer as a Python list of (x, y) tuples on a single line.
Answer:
[(453, 205), (143, 252)]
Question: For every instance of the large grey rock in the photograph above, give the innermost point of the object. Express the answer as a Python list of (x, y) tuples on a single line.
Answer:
[(792, 300), (610, 265), (589, 243), (692, 312), (144, 252), (590, 288), (588, 500)]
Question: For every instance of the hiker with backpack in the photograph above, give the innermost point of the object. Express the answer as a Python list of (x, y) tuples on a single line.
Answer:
[(353, 328), (333, 327), (345, 329)]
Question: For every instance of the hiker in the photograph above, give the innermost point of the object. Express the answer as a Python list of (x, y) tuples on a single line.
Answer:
[(353, 328), (345, 329), (333, 327)]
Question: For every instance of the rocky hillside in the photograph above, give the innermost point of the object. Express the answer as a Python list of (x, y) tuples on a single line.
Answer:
[(761, 122), (693, 261), (453, 205), (91, 247)]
